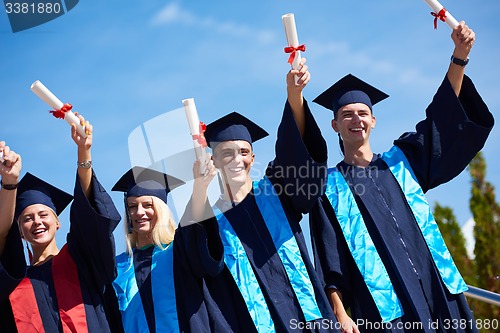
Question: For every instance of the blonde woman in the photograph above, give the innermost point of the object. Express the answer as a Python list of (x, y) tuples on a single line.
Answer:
[(64, 288), (147, 264)]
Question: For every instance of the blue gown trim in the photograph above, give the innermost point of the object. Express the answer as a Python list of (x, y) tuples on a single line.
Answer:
[(287, 247), (240, 268), (361, 245), (402, 171), (362, 248), (162, 284)]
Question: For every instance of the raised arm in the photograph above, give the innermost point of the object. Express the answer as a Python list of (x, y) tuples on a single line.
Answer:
[(197, 239), (200, 207), (294, 92), (299, 169), (84, 155), (93, 216), (9, 170), (463, 37), (456, 125)]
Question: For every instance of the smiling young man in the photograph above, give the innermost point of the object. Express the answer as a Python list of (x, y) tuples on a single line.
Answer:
[(256, 275), (375, 242)]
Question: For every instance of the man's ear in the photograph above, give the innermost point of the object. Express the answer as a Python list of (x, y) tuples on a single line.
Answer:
[(334, 125)]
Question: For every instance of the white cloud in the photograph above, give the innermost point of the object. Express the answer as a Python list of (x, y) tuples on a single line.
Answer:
[(174, 13)]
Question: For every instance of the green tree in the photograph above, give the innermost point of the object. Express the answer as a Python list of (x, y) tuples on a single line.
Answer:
[(455, 241), (486, 213)]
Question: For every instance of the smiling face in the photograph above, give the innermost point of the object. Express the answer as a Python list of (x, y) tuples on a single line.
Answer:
[(38, 224), (142, 214), (354, 122), (235, 159)]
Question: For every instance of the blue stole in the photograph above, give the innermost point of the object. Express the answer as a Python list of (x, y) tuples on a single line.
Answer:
[(162, 285), (287, 248), (361, 245)]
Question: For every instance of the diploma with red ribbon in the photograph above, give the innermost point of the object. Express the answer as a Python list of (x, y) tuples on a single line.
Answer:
[(197, 128), (61, 111), (440, 13), (293, 41)]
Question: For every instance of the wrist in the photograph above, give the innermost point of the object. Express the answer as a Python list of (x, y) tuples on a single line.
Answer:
[(9, 185), (86, 164), (459, 60)]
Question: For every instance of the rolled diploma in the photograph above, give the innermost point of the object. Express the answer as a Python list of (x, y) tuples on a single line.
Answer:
[(1, 157), (194, 128), (436, 7), (48, 97), (292, 38)]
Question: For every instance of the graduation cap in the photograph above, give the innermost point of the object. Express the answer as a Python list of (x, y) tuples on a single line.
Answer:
[(32, 190), (348, 90), (140, 181), (233, 127)]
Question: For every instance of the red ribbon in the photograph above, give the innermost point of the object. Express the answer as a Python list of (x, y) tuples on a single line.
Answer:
[(62, 111), (441, 15), (292, 50), (201, 137)]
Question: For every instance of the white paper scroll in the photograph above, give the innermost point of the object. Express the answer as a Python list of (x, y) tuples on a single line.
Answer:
[(292, 38), (48, 97), (1, 157), (194, 128), (437, 7)]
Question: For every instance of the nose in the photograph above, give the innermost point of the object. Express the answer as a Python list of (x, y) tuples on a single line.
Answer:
[(238, 156), (37, 220), (140, 210), (355, 116)]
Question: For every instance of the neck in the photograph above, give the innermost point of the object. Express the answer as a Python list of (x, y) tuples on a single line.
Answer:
[(44, 253), (358, 155), (144, 239), (236, 193)]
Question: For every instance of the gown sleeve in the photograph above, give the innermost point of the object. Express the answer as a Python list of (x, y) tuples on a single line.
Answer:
[(298, 172), (90, 239), (12, 263), (199, 244), (453, 132), (332, 258)]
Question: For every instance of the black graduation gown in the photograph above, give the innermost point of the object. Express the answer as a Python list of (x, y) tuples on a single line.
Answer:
[(12, 271), (91, 246), (208, 298), (454, 130)]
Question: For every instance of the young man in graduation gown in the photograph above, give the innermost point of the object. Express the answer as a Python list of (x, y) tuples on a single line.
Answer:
[(247, 268), (12, 271), (375, 241), (64, 290)]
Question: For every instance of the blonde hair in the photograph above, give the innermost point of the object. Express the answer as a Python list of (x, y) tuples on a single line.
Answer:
[(163, 231)]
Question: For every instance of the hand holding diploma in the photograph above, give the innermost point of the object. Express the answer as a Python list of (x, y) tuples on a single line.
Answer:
[(197, 129), (441, 13), (61, 110), (293, 41)]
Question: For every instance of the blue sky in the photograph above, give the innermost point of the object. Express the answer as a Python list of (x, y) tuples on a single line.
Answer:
[(122, 64)]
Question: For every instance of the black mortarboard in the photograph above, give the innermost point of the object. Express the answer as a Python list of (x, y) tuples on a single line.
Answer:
[(233, 127), (348, 90), (140, 181), (32, 190)]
